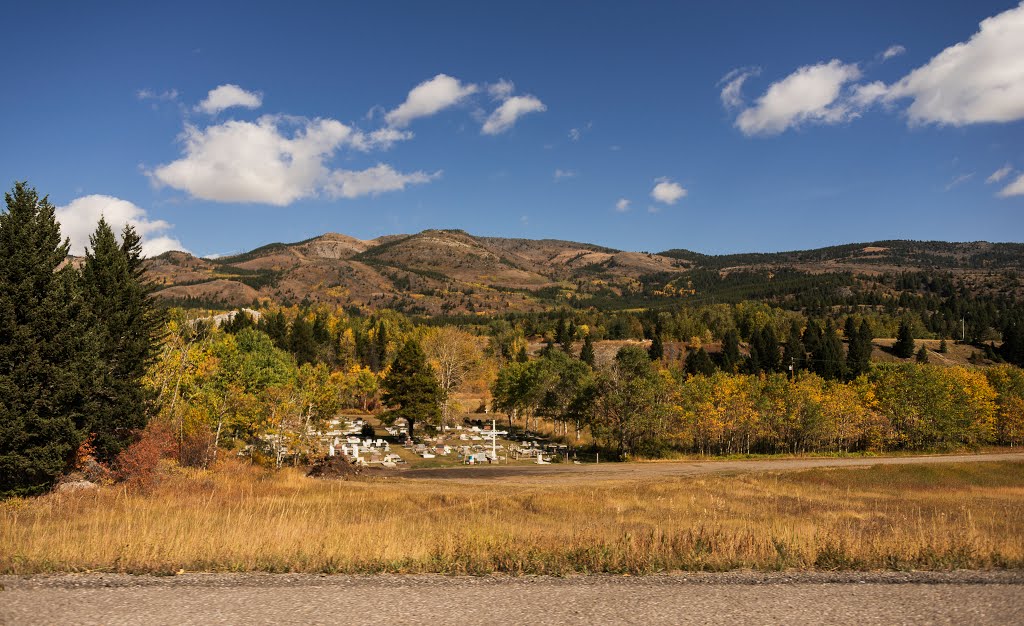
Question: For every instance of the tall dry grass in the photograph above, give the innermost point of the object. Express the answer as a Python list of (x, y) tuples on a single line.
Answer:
[(242, 519)]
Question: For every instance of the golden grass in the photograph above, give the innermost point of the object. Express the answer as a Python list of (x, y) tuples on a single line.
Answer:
[(241, 519)]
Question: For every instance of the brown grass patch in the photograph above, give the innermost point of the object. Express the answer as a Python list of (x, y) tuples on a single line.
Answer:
[(242, 519)]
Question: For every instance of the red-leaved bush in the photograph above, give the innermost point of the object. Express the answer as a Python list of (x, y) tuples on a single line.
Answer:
[(139, 464)]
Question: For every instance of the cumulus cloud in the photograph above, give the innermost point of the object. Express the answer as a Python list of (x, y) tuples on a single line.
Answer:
[(622, 205), (505, 116), (667, 191), (240, 161), (810, 94), (79, 217), (893, 51), (1016, 188), (560, 174), (373, 181), (227, 96), (502, 89), (428, 98), (980, 80), (732, 82), (999, 174)]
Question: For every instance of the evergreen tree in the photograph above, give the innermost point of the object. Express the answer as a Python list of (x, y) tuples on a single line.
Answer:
[(45, 351), (657, 349), (730, 350), (120, 311), (382, 344), (238, 322), (922, 354), (412, 388), (828, 360), (587, 353), (793, 352), (549, 347), (850, 329), (858, 355), (943, 348), (904, 346), (277, 328), (768, 349), (812, 341), (300, 340), (521, 356), (698, 362)]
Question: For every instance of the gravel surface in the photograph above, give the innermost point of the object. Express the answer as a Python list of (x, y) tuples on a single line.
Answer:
[(727, 598), (658, 469)]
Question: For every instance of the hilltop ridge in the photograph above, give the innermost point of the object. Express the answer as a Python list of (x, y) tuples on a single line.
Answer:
[(442, 271)]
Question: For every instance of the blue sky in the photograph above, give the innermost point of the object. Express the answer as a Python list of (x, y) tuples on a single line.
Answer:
[(715, 126)]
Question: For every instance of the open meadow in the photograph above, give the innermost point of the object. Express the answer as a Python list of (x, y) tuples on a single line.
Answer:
[(239, 518)]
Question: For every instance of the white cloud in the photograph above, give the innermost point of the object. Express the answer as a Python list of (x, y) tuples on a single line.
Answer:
[(731, 95), (560, 174), (502, 89), (149, 94), (622, 205), (810, 94), (981, 80), (428, 98), (380, 139), (373, 181), (240, 161), (575, 134), (78, 220), (667, 191), (893, 51), (863, 96), (1016, 188), (227, 96), (505, 116), (957, 180), (999, 174)]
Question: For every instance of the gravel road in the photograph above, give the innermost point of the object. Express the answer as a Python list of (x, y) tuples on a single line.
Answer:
[(658, 469), (729, 598)]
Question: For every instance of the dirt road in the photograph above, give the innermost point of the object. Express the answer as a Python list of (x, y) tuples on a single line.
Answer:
[(631, 471), (732, 598)]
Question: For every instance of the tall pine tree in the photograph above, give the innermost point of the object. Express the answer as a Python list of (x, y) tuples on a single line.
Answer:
[(411, 388), (120, 311), (904, 346), (587, 352), (45, 351)]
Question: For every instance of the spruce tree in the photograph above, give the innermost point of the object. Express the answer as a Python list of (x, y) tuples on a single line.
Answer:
[(45, 351), (698, 362), (657, 349), (858, 356), (793, 352), (922, 354), (904, 346), (828, 360), (126, 322), (522, 356), (411, 388), (587, 353), (768, 349), (300, 340), (811, 339), (730, 350)]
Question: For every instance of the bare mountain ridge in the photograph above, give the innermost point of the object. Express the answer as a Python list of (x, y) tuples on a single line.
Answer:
[(451, 271)]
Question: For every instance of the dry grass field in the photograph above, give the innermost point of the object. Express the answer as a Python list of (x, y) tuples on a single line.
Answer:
[(243, 519)]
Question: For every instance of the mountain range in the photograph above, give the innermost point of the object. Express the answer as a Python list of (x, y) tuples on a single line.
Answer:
[(454, 272)]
